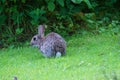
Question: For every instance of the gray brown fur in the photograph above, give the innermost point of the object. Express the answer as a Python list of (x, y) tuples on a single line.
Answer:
[(50, 44), (15, 78)]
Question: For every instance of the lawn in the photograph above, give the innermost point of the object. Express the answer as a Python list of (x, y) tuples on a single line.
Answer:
[(89, 57)]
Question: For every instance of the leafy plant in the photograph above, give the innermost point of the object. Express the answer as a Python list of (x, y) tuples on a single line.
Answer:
[(86, 1), (19, 18)]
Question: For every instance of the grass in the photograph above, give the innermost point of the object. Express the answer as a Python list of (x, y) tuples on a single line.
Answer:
[(89, 57)]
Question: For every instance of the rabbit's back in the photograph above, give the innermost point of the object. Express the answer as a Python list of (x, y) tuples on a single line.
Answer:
[(52, 44)]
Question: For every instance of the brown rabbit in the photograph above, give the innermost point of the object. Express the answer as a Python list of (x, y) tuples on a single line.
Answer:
[(51, 45)]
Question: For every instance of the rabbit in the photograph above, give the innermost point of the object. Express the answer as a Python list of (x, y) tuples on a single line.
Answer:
[(51, 45)]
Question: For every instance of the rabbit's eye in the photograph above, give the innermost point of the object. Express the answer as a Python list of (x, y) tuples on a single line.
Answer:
[(34, 38)]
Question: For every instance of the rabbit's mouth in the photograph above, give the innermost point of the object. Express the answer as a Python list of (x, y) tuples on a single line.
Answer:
[(33, 45)]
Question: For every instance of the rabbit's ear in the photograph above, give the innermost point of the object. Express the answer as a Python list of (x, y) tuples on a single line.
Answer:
[(41, 30)]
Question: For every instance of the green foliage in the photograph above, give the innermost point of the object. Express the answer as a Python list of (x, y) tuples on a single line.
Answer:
[(19, 19), (79, 1), (60, 2), (51, 6), (37, 15), (19, 30), (2, 18)]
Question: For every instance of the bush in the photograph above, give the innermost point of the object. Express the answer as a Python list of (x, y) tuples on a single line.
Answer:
[(19, 19)]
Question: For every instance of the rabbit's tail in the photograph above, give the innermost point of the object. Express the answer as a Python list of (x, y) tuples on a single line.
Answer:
[(58, 54)]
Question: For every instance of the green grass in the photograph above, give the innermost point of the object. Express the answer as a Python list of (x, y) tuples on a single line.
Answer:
[(89, 57)]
